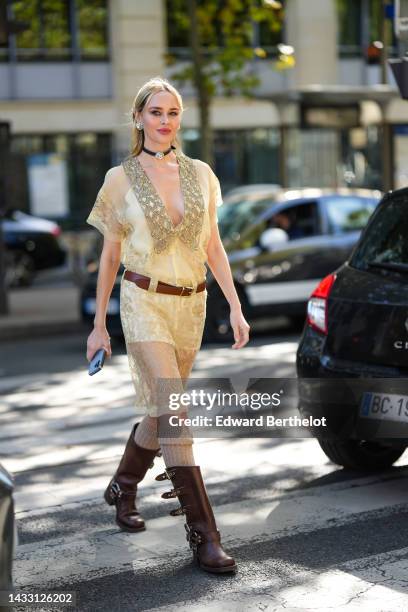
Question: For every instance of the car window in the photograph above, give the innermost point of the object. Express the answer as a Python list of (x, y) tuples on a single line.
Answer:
[(386, 238), (298, 221), (348, 214), (250, 236), (234, 217)]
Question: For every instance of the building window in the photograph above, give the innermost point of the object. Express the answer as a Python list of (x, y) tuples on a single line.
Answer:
[(349, 26), (242, 157), (264, 34), (59, 30), (87, 157), (268, 35), (360, 25), (324, 157), (92, 20), (48, 34)]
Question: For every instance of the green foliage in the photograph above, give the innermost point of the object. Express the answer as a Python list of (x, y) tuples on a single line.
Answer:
[(49, 25), (225, 31)]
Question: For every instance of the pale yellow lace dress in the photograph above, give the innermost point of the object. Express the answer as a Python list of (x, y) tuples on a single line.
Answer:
[(163, 332)]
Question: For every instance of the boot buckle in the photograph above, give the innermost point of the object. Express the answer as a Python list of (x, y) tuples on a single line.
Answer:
[(167, 474), (177, 511), (193, 537), (170, 494), (115, 490)]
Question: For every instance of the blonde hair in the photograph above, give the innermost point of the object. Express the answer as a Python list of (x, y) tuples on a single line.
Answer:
[(144, 94)]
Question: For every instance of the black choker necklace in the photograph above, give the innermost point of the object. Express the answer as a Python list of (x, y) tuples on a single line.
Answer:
[(159, 154)]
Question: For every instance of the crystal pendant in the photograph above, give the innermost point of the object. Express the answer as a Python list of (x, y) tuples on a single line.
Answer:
[(159, 155)]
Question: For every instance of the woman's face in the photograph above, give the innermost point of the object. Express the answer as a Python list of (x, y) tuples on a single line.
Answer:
[(161, 118)]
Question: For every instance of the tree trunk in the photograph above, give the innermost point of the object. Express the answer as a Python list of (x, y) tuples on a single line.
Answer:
[(200, 82)]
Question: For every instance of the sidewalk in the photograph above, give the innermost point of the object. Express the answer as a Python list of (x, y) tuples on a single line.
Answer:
[(49, 306)]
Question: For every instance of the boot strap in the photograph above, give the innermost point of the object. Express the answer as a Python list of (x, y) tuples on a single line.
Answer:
[(178, 511), (172, 493), (195, 537), (116, 492), (167, 474)]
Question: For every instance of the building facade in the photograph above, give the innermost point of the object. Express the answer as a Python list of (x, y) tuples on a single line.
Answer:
[(67, 84)]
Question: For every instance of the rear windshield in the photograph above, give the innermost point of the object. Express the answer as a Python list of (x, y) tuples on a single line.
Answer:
[(348, 214), (386, 240)]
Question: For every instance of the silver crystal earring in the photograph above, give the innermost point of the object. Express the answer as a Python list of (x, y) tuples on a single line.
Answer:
[(139, 125)]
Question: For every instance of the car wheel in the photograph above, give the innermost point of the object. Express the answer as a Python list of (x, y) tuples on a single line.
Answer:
[(217, 323), (361, 454), (20, 269)]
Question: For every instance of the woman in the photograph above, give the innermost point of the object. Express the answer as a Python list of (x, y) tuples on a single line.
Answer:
[(157, 212)]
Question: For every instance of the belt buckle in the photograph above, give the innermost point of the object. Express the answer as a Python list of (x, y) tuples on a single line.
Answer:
[(190, 289)]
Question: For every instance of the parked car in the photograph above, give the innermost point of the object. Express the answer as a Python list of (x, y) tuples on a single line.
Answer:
[(32, 244), (352, 360), (87, 298), (278, 246), (7, 530)]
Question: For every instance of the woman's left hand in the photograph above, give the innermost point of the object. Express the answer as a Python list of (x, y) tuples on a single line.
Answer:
[(240, 328)]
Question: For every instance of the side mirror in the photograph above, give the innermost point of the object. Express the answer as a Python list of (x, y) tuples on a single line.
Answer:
[(272, 238)]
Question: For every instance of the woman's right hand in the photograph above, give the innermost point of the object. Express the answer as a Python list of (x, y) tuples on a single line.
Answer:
[(97, 339)]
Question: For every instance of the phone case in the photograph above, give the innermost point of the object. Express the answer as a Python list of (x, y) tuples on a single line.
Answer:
[(97, 361)]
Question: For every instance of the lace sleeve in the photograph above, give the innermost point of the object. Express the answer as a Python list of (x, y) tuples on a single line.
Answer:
[(106, 212)]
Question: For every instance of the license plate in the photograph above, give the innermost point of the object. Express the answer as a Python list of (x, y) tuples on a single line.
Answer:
[(90, 306), (386, 407)]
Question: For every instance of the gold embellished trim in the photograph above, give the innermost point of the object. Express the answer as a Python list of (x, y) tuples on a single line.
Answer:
[(158, 220)]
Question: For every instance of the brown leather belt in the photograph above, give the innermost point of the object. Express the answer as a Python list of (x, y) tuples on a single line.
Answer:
[(144, 282)]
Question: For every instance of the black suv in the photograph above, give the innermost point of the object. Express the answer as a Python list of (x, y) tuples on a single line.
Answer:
[(352, 360)]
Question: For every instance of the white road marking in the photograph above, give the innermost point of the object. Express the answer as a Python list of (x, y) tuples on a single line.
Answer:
[(249, 521)]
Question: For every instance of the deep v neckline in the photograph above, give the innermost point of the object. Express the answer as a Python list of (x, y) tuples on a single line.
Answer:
[(161, 228), (158, 197)]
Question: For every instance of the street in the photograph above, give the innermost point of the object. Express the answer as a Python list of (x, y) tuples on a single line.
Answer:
[(306, 534)]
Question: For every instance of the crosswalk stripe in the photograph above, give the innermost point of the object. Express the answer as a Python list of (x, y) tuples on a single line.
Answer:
[(248, 521)]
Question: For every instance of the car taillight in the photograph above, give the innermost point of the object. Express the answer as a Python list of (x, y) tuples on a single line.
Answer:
[(317, 304), (56, 231)]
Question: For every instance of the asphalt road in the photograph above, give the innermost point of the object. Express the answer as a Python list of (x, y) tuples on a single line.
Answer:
[(306, 534)]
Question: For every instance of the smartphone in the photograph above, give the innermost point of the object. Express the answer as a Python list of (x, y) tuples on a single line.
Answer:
[(97, 361)]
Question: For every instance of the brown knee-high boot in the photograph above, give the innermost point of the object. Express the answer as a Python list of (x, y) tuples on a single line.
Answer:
[(202, 533), (122, 489)]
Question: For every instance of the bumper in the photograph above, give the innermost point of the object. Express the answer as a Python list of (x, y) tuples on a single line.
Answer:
[(358, 400)]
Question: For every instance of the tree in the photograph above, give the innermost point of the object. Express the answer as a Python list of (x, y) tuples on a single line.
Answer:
[(221, 42)]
